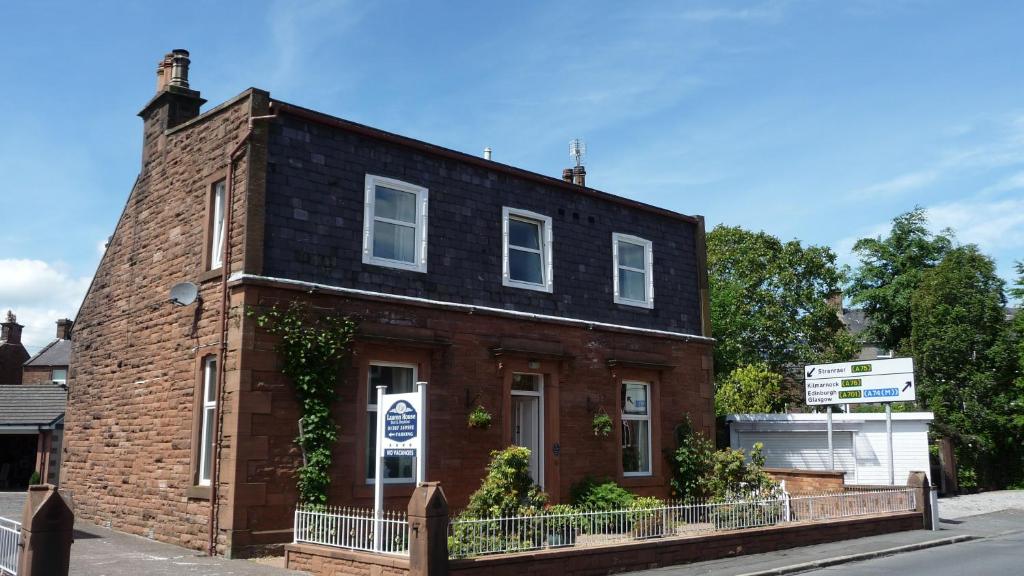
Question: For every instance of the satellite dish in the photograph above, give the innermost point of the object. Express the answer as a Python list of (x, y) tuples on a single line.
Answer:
[(184, 293)]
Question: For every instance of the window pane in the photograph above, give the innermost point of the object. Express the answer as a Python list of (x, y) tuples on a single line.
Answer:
[(524, 234), (632, 285), (208, 443), (394, 242), (634, 398), (636, 447), (631, 255), (526, 382), (395, 204), (59, 375), (217, 235), (398, 379), (210, 380), (525, 266)]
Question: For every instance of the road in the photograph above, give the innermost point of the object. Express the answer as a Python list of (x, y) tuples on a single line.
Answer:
[(992, 555)]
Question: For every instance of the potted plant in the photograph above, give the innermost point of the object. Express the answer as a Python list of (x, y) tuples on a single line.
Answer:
[(480, 418), (561, 524), (602, 424), (647, 517)]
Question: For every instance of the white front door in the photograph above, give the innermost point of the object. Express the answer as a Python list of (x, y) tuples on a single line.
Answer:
[(528, 420)]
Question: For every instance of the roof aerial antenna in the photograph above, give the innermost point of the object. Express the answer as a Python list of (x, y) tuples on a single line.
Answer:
[(577, 149)]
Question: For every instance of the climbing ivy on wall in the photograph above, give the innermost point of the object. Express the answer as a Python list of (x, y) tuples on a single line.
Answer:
[(313, 349)]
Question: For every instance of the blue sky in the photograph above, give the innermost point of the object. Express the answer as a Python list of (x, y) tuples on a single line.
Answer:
[(812, 120)]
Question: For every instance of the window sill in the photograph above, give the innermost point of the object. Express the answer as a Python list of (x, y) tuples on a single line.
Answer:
[(635, 303), (210, 275), (395, 264), (198, 492), (526, 285)]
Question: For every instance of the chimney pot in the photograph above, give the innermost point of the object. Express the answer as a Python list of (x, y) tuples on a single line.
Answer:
[(579, 176), (179, 68), (10, 331), (487, 153), (567, 174)]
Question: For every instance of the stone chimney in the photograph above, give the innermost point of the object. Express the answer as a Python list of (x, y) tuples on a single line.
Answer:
[(567, 174), (11, 331), (64, 328), (174, 103), (579, 176)]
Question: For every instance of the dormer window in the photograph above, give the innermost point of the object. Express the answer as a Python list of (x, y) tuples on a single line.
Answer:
[(633, 264), (526, 253), (395, 224)]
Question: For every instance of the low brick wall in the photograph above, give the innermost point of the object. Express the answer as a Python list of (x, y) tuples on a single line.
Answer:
[(327, 561), (670, 552), (654, 553), (800, 481)]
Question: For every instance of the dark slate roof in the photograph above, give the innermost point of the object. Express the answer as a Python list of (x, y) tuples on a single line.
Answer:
[(855, 320), (56, 353), (31, 404)]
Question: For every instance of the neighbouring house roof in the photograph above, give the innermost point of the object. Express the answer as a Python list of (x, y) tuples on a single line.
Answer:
[(856, 321), (56, 353), (31, 404)]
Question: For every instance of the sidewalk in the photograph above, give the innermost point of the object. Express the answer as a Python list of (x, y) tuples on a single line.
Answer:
[(797, 560), (103, 552)]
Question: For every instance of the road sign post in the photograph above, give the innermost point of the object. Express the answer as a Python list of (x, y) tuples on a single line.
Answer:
[(885, 380)]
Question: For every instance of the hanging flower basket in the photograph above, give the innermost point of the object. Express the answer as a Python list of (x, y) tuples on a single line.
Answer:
[(479, 418)]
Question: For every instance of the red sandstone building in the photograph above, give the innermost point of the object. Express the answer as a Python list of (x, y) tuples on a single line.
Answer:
[(538, 298)]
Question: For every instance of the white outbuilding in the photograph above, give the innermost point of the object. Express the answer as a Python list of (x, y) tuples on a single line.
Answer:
[(859, 442)]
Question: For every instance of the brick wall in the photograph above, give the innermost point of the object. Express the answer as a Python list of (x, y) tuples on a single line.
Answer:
[(809, 481), (314, 230), (337, 562), (37, 375), (453, 351), (129, 449)]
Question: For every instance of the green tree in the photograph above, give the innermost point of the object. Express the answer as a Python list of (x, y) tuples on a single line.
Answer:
[(965, 362), (770, 302), (753, 388), (889, 272)]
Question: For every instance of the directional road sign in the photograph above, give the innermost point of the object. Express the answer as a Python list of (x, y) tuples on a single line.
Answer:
[(879, 380)]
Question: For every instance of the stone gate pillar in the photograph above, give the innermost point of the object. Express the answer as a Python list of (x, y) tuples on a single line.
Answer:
[(47, 523), (428, 531)]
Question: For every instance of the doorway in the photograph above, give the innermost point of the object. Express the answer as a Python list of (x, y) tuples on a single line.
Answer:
[(528, 420)]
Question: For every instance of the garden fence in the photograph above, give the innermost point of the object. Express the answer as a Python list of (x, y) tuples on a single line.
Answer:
[(10, 535), (353, 528)]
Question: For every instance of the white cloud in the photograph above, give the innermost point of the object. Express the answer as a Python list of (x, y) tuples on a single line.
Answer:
[(39, 293), (771, 11), (899, 184), (995, 226), (1014, 182)]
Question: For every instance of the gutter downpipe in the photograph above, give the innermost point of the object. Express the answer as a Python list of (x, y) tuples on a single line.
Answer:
[(229, 200)]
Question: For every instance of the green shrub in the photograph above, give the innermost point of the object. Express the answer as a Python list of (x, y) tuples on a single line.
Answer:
[(701, 472), (35, 478), (508, 487), (588, 494)]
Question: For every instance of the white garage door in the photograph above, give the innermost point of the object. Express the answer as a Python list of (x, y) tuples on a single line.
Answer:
[(807, 450)]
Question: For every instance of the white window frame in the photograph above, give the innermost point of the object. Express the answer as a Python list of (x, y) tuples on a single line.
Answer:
[(209, 409), (371, 406), (641, 417), (546, 239), (419, 263), (217, 225), (648, 270), (53, 375)]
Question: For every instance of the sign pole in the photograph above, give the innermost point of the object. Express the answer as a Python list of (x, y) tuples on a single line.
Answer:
[(831, 452), (888, 434), (378, 485), (421, 433)]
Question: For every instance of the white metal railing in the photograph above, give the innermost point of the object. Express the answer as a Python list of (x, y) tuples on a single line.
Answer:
[(10, 535), (353, 528), (469, 537), (833, 505)]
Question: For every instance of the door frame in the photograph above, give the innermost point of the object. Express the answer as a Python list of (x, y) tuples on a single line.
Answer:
[(541, 424)]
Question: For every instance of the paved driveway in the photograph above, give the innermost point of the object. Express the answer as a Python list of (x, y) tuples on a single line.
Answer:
[(104, 552)]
